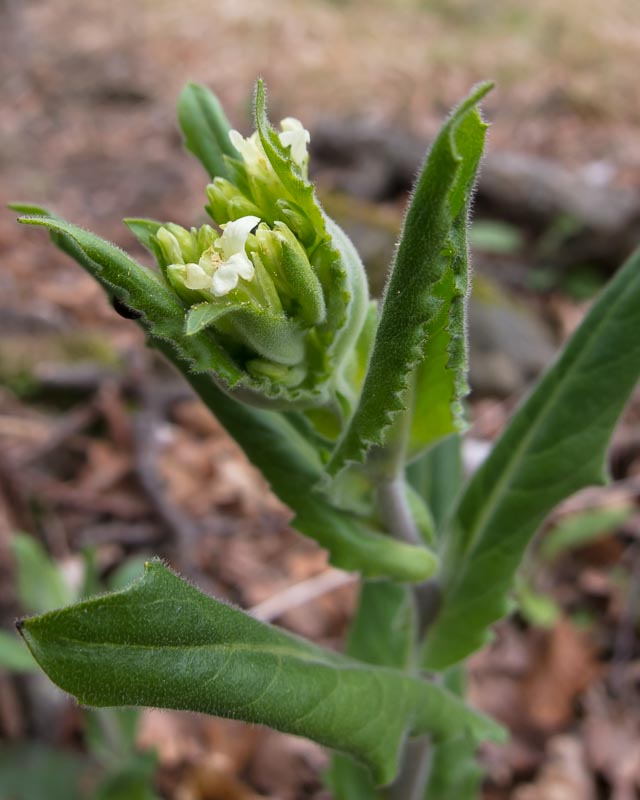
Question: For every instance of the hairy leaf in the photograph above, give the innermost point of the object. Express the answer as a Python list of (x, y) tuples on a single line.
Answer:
[(163, 643), (205, 129), (454, 773), (382, 633), (438, 478), (420, 338), (143, 291), (555, 444)]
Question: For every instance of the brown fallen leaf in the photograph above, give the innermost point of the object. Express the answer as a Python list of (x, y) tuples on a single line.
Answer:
[(564, 776), (212, 779), (612, 741), (565, 666)]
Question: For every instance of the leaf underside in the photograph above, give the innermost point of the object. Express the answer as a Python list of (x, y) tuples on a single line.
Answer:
[(163, 643), (555, 445)]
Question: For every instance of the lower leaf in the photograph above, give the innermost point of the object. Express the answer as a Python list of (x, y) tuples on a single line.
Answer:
[(163, 643)]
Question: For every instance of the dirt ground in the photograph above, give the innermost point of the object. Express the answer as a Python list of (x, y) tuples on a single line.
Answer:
[(101, 446)]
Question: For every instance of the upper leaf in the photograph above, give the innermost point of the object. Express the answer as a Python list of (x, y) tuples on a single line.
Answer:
[(555, 444), (205, 128), (420, 337), (163, 643)]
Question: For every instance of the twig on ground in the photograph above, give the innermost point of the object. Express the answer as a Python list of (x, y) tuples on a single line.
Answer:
[(301, 593)]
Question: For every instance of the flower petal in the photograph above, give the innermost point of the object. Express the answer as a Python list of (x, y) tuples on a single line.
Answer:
[(234, 236), (196, 278), (296, 136), (242, 265), (224, 280)]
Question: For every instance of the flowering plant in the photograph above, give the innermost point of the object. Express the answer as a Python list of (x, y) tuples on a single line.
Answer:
[(351, 410)]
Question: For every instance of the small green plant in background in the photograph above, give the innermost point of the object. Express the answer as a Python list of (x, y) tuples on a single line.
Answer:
[(112, 769), (351, 410)]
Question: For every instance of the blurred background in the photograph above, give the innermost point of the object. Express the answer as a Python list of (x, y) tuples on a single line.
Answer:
[(106, 458)]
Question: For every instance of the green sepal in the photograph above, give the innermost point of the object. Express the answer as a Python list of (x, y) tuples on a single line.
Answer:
[(420, 321), (204, 315), (555, 444), (205, 129), (285, 258), (145, 231), (332, 255), (163, 643), (274, 337)]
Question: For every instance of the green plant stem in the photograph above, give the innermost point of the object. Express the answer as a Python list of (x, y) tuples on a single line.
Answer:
[(396, 515), (395, 512), (412, 779)]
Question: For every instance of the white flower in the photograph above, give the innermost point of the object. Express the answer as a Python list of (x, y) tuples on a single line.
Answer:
[(293, 135), (222, 265), (296, 136), (250, 149)]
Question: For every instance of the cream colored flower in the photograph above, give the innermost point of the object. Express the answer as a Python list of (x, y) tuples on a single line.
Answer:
[(293, 135), (296, 136), (221, 266), (250, 149)]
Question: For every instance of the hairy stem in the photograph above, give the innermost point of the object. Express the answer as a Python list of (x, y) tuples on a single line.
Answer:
[(414, 771), (395, 511)]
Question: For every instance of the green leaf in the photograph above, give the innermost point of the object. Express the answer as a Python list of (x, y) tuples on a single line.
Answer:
[(437, 477), (383, 630), (578, 529), (454, 773), (537, 608), (382, 633), (205, 129), (495, 236), (420, 338), (14, 656), (40, 584), (163, 643), (36, 772), (555, 444), (142, 290), (132, 779)]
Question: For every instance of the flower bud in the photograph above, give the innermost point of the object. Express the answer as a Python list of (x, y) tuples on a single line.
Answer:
[(226, 202)]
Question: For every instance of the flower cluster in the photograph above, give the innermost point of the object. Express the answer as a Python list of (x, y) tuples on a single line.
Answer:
[(274, 281)]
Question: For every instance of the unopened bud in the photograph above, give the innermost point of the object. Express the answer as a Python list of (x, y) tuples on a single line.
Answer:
[(286, 260), (226, 202)]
